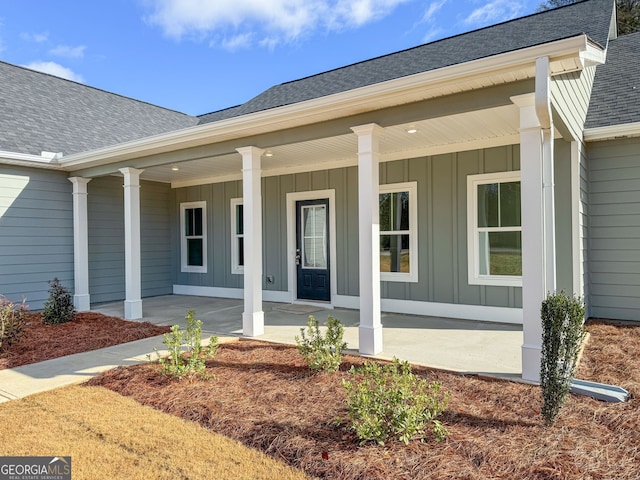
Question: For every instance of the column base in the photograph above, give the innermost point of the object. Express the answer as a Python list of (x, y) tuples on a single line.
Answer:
[(531, 355), (132, 309), (253, 324), (370, 339), (81, 303)]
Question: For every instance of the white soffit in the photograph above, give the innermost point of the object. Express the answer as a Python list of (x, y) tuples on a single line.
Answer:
[(460, 132)]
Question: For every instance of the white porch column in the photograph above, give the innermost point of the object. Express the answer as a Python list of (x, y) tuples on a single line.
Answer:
[(81, 299), (133, 300), (538, 248), (370, 330), (253, 316)]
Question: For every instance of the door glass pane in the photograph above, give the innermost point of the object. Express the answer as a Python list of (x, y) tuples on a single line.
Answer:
[(510, 204), (394, 253), (500, 253), (314, 236), (194, 252), (488, 205)]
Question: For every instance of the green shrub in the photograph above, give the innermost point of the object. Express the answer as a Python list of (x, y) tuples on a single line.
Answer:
[(189, 341), (322, 352), (389, 402), (562, 336), (59, 306), (11, 321)]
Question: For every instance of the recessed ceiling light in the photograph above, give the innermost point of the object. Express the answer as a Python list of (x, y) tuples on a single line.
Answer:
[(412, 130), (269, 153), (175, 169)]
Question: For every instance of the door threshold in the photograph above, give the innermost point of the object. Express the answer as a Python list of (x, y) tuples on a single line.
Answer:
[(315, 303)]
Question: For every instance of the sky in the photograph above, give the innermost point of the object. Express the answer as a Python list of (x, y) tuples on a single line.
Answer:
[(199, 56)]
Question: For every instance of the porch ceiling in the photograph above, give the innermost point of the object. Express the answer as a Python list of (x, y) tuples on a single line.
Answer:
[(465, 131)]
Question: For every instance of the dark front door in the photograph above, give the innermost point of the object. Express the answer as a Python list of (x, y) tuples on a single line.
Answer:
[(312, 249)]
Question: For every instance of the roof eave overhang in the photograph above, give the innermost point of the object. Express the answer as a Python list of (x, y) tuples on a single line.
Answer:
[(29, 160), (598, 134), (565, 55)]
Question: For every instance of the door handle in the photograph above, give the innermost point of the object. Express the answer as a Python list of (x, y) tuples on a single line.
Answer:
[(298, 256)]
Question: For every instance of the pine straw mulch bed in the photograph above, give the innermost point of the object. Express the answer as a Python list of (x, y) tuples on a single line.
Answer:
[(87, 331), (264, 396)]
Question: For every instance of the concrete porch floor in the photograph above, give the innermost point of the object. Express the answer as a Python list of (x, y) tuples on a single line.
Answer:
[(460, 345)]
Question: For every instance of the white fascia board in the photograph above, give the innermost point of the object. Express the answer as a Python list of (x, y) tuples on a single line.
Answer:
[(613, 131), (373, 97), (29, 160)]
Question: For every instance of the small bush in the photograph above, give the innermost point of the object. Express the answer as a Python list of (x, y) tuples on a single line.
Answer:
[(11, 321), (388, 402), (187, 341), (59, 306), (562, 336), (322, 352)]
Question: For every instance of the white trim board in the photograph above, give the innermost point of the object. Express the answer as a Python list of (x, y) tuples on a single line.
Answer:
[(223, 292), (433, 309), (292, 198), (409, 307)]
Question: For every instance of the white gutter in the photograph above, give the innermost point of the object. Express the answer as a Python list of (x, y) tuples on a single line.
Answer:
[(46, 160), (613, 131), (566, 55), (543, 112)]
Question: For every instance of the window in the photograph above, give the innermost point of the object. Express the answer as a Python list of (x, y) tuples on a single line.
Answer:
[(237, 236), (193, 227), (398, 232), (494, 229)]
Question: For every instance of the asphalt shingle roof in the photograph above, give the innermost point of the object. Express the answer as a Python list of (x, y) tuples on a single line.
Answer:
[(591, 17), (40, 112), (615, 98)]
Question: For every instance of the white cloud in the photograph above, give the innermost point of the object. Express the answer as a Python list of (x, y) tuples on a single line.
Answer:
[(237, 42), (495, 11), (56, 69), (277, 21), (430, 12), (35, 37), (68, 52)]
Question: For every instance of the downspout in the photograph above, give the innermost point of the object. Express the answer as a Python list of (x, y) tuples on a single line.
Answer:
[(543, 112)]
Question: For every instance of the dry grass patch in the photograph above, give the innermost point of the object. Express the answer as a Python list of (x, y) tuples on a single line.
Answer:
[(264, 396), (109, 436), (87, 331)]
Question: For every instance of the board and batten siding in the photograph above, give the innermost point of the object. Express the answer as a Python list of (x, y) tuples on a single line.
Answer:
[(614, 228), (36, 222), (570, 93), (106, 239), (442, 202)]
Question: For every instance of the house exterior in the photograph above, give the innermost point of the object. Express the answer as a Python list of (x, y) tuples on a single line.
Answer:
[(464, 178)]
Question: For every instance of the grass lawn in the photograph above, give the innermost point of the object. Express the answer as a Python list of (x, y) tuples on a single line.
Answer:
[(109, 436)]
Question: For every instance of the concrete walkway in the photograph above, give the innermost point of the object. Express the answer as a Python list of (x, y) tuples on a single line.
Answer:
[(464, 346)]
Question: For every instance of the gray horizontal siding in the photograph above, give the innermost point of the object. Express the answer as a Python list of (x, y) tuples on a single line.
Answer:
[(614, 229), (570, 92), (36, 222)]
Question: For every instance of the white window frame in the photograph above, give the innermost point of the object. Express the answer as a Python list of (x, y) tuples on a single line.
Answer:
[(236, 268), (412, 188), (183, 237), (473, 243)]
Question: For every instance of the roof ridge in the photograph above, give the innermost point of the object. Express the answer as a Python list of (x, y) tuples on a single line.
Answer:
[(84, 85), (431, 43)]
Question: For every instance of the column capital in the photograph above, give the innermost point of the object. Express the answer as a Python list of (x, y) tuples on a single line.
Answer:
[(79, 184), (368, 129), (131, 175)]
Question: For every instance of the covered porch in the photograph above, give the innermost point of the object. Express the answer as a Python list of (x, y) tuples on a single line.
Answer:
[(465, 346)]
